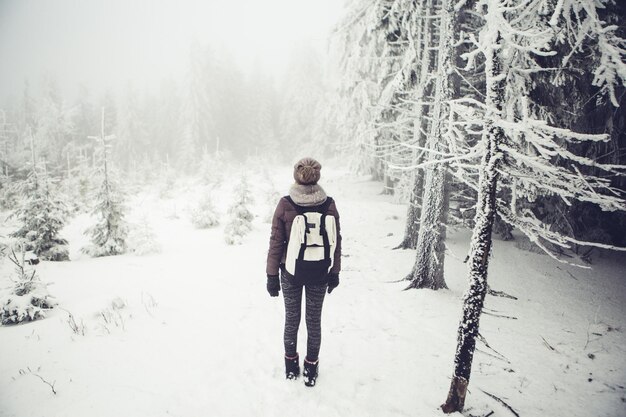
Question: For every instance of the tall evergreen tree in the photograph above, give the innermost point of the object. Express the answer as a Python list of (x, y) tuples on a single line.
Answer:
[(302, 92), (132, 132), (518, 150), (428, 271), (53, 127), (109, 234), (199, 110)]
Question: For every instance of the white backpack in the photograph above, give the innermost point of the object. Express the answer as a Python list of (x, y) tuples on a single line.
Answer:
[(312, 243)]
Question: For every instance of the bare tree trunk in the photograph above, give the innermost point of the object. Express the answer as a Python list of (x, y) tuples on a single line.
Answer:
[(421, 44), (428, 271), (481, 237), (413, 214)]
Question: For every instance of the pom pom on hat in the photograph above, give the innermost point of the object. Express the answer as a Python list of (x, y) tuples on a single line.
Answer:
[(307, 171)]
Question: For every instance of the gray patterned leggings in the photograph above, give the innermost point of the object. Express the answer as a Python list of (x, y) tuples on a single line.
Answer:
[(314, 294)]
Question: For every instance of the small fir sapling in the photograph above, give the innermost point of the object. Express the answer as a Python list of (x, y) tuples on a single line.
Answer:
[(28, 298), (240, 222), (42, 216), (204, 215), (142, 239), (211, 168), (109, 234)]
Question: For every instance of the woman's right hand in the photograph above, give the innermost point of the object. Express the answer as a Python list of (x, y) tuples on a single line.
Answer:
[(273, 285)]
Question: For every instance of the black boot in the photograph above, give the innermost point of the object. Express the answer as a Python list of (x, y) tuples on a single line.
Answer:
[(310, 372), (292, 367)]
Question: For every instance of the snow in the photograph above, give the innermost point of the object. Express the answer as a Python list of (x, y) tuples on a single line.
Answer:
[(192, 331)]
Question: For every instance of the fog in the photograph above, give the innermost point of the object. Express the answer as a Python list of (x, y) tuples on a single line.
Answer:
[(176, 79), (106, 43)]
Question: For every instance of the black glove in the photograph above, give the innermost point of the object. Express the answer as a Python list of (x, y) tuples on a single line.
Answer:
[(333, 282), (273, 285)]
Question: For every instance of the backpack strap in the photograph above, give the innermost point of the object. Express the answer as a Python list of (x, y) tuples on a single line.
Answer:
[(324, 234), (323, 230), (303, 244)]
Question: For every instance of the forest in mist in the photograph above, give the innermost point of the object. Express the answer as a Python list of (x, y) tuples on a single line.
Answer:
[(169, 98), (215, 108)]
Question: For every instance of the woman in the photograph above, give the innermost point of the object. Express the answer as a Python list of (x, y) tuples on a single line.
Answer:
[(305, 199)]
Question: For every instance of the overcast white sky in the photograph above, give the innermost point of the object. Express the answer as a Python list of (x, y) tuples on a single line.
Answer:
[(104, 43)]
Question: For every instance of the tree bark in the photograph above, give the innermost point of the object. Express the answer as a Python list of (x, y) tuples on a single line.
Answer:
[(474, 298), (428, 271), (411, 231), (424, 81)]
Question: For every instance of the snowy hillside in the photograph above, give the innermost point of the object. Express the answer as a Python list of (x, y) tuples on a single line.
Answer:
[(191, 330)]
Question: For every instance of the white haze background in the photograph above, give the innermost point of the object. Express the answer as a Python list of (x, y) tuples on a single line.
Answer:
[(105, 44)]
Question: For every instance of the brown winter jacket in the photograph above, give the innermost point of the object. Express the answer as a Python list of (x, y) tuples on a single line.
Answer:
[(281, 230)]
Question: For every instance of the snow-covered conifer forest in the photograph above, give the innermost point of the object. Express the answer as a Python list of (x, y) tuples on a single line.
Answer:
[(475, 150)]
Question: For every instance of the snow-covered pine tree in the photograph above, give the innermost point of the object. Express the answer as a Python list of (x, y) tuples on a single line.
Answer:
[(240, 222), (198, 110), (28, 298), (518, 149), (54, 126), (203, 215), (404, 37), (42, 215), (378, 65), (262, 110), (132, 132), (304, 88), (109, 234), (428, 271), (358, 45), (142, 239), (422, 88), (164, 127), (577, 108), (396, 78)]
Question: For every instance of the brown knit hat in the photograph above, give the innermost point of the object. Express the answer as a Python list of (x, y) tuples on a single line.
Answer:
[(307, 171)]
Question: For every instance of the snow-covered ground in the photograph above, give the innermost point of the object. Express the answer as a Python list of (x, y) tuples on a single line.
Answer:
[(191, 331)]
